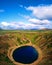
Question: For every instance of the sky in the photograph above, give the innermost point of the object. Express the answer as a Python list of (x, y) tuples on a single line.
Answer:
[(25, 14)]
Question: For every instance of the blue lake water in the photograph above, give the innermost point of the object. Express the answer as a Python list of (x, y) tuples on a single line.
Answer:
[(25, 54)]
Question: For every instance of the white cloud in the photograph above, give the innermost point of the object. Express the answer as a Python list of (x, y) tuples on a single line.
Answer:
[(41, 12), (39, 22), (17, 25), (1, 10), (24, 16), (23, 25), (4, 23), (42, 27), (11, 25)]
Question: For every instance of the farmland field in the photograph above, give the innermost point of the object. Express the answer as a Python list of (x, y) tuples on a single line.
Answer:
[(11, 38)]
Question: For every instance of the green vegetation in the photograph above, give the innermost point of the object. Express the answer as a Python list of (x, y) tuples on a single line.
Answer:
[(41, 38)]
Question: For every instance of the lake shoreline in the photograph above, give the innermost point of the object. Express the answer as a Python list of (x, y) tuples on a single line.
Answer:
[(11, 50)]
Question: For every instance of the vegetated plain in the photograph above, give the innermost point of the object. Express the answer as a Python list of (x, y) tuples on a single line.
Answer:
[(41, 38)]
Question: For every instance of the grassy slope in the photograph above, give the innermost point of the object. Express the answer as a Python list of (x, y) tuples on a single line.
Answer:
[(42, 39)]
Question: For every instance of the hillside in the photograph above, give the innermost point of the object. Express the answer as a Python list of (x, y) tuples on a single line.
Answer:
[(42, 39)]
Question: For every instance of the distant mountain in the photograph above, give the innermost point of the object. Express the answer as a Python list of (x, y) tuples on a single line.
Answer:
[(33, 29), (11, 28), (1, 29), (45, 29)]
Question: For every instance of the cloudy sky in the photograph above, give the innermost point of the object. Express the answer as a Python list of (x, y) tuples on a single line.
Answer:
[(25, 14)]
